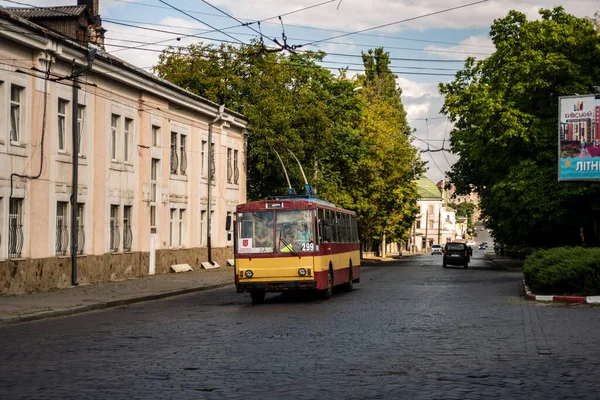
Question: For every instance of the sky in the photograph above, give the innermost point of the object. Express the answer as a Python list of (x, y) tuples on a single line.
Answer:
[(427, 40)]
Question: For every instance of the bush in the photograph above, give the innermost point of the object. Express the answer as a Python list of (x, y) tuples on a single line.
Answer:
[(564, 271)]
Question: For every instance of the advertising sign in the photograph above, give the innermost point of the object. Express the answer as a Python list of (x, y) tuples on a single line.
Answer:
[(578, 138)]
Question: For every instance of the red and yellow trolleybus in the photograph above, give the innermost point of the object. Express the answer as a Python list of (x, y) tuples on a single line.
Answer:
[(293, 243)]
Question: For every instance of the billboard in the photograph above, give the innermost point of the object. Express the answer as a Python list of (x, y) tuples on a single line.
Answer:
[(578, 138)]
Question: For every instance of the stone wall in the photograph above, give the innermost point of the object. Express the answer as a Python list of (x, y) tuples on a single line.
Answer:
[(34, 275)]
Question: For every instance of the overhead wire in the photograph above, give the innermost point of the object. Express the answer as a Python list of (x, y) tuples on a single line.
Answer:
[(397, 22)]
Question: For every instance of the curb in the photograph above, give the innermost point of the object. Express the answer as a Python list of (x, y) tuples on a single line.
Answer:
[(63, 312), (562, 299)]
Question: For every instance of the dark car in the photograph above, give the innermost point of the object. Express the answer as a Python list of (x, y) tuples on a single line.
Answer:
[(456, 253)]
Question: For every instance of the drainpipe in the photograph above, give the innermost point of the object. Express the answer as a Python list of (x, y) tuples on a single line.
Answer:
[(208, 191), (75, 130)]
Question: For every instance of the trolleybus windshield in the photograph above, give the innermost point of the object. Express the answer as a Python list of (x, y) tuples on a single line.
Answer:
[(281, 231)]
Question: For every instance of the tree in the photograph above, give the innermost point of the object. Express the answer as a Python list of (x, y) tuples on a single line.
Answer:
[(354, 146), (504, 110)]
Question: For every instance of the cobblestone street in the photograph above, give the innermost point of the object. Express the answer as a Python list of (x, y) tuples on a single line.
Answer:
[(410, 329)]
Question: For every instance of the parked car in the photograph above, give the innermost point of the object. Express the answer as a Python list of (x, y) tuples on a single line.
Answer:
[(456, 253), (436, 249), (471, 243)]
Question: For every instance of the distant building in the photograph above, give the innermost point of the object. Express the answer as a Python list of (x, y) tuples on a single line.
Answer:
[(436, 223)]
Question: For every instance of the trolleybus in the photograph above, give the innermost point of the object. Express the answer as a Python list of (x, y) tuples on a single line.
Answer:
[(295, 243)]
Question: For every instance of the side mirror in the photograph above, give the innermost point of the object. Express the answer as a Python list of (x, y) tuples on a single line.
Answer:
[(228, 223)]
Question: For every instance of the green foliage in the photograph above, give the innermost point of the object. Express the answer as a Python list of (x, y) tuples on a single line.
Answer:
[(505, 113), (564, 271), (466, 210), (354, 146)]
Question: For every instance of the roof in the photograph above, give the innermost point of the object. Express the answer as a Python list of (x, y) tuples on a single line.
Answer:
[(114, 61), (48, 12), (427, 189)]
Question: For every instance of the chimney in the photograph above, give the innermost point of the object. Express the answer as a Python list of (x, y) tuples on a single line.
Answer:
[(92, 6)]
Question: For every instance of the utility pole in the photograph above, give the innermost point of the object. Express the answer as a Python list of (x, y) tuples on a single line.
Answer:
[(440, 226), (75, 139)]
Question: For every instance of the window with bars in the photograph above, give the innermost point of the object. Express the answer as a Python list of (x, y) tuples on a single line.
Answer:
[(62, 125), (182, 154), (229, 166), (114, 123), (80, 128), (174, 158), (16, 98), (62, 229), (15, 228), (114, 228), (236, 169), (127, 231), (127, 133)]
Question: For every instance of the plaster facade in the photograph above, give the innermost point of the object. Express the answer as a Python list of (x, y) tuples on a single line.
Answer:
[(142, 198)]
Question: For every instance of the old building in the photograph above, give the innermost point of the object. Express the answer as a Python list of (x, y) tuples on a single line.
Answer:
[(132, 149), (436, 222)]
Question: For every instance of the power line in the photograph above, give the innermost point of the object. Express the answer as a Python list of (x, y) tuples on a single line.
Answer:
[(202, 22), (398, 22)]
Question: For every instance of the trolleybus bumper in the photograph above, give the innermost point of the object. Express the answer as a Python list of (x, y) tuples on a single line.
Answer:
[(275, 286)]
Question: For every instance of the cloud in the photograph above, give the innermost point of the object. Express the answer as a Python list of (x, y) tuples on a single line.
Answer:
[(478, 46), (423, 102), (354, 15), (121, 41)]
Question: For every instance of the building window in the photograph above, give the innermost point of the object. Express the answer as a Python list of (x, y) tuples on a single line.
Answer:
[(181, 219), (229, 166), (127, 232), (174, 159), (80, 228), (80, 127), (236, 169), (154, 168), (155, 136), (202, 227), (114, 123), (15, 228), (182, 154), (114, 228), (172, 222), (203, 158), (62, 127), (16, 95), (62, 230), (127, 139)]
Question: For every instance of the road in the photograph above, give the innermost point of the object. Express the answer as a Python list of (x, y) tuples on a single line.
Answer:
[(410, 329)]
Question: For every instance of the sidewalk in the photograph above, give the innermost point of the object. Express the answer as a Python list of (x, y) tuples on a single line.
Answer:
[(510, 264), (78, 299)]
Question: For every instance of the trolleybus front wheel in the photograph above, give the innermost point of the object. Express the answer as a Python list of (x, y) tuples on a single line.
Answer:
[(257, 296), (329, 291)]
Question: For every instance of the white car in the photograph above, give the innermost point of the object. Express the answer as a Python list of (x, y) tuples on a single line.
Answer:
[(471, 243), (436, 249)]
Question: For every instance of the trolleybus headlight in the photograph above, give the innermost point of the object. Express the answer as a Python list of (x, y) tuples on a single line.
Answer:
[(302, 272), (249, 274)]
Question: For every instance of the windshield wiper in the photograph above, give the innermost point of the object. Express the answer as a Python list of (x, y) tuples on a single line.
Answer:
[(288, 246)]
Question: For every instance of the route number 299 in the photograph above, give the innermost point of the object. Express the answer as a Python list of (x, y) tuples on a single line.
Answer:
[(308, 247)]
